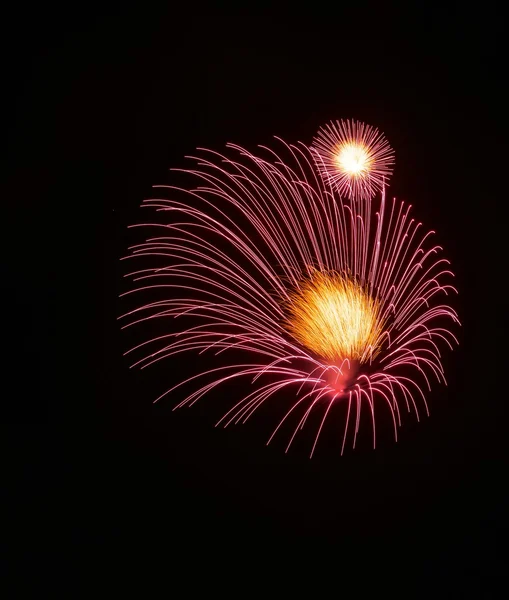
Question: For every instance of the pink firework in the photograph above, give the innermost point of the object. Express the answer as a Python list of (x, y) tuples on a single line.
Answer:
[(354, 158), (321, 299)]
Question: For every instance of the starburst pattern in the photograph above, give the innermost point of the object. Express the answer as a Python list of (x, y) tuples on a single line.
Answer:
[(335, 318), (353, 158), (236, 254)]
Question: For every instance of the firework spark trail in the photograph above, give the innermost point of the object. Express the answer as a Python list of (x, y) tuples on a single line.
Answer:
[(242, 242)]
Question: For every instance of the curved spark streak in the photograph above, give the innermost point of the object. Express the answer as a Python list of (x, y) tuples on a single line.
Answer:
[(235, 245)]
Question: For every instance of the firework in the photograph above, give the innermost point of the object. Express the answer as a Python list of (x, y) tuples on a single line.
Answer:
[(326, 297), (354, 158), (335, 318)]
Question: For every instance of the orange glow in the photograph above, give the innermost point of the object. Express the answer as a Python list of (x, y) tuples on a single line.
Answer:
[(335, 318), (354, 159)]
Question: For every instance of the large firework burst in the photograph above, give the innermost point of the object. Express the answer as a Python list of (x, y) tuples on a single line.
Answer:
[(327, 298)]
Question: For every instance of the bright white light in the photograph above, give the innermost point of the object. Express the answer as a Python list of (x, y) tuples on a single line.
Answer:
[(353, 159)]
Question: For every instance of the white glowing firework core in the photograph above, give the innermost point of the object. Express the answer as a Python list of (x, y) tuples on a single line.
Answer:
[(353, 159)]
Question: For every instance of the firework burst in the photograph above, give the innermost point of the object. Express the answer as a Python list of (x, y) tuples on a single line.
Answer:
[(327, 299), (335, 318), (354, 158)]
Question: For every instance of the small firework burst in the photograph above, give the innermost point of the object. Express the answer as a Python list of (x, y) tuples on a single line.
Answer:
[(354, 158), (318, 297)]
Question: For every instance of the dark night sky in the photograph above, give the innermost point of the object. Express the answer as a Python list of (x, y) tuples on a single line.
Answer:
[(101, 103)]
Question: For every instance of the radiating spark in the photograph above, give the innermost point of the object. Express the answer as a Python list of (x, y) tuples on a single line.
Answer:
[(354, 158), (335, 318), (286, 258)]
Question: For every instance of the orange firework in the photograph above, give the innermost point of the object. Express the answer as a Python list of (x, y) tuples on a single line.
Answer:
[(335, 318)]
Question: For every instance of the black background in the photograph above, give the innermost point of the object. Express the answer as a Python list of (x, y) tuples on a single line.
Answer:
[(101, 102)]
